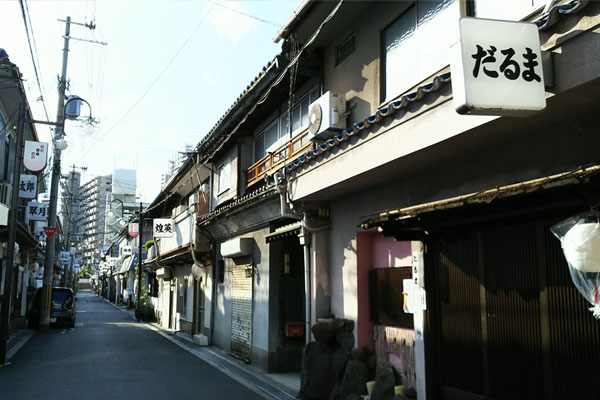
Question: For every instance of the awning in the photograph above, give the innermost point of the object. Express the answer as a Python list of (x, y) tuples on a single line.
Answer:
[(284, 231), (483, 197), (125, 266), (130, 263)]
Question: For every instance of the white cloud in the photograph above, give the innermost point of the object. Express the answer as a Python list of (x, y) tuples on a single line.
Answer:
[(230, 24)]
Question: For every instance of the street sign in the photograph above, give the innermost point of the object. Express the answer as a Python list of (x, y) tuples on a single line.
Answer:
[(50, 231), (35, 156)]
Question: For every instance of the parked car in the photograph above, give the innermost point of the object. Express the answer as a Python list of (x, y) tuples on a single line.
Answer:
[(62, 311)]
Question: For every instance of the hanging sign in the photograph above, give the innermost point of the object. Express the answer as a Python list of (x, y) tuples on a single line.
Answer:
[(133, 229), (28, 186), (35, 156), (49, 231), (163, 227), (64, 257), (497, 68), (37, 211)]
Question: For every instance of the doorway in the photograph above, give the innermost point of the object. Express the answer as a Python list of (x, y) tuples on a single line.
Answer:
[(509, 324)]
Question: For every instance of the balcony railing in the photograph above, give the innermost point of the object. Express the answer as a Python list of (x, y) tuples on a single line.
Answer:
[(297, 145)]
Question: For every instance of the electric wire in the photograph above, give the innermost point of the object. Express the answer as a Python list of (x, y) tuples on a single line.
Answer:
[(186, 41), (279, 78), (33, 50), (243, 13)]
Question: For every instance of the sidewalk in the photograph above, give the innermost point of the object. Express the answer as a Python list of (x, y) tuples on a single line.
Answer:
[(16, 340), (276, 386)]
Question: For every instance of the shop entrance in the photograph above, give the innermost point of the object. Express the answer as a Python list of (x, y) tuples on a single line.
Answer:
[(508, 322)]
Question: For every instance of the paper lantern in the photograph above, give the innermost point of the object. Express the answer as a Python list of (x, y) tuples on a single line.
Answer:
[(581, 246)]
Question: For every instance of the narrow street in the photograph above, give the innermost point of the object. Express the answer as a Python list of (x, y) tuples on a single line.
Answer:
[(110, 356)]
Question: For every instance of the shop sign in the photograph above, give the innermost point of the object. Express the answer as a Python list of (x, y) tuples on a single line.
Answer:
[(35, 156), (37, 211), (133, 229), (163, 227), (28, 186), (497, 68)]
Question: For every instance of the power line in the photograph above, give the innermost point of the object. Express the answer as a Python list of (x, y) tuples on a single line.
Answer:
[(151, 85), (245, 14), (32, 50)]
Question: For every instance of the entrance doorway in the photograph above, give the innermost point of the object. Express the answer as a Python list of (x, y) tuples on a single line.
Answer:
[(509, 324)]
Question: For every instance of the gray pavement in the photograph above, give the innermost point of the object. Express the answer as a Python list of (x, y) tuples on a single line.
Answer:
[(110, 356)]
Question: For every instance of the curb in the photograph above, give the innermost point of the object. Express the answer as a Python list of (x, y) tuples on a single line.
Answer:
[(16, 342)]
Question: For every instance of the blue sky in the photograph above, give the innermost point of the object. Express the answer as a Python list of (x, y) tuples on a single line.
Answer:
[(169, 72)]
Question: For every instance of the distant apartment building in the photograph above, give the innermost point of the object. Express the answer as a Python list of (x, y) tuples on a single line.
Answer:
[(91, 217), (173, 164)]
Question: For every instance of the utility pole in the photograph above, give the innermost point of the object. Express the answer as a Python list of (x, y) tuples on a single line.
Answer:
[(50, 242), (69, 206), (59, 131), (12, 234), (141, 235)]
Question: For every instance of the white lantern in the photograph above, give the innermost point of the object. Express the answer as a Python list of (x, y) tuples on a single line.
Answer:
[(581, 246)]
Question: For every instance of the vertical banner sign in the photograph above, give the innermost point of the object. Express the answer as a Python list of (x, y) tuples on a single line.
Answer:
[(28, 186), (37, 211), (35, 156), (162, 227), (497, 68)]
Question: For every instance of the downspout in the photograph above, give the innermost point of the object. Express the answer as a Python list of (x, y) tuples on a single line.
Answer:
[(214, 280)]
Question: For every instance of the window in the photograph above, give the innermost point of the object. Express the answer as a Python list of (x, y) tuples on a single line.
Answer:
[(224, 177), (278, 132), (417, 44), (512, 10), (344, 50)]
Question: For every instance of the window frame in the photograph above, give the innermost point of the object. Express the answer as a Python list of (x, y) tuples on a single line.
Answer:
[(285, 131), (421, 73)]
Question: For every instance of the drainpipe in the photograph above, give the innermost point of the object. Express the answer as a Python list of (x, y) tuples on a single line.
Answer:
[(304, 237)]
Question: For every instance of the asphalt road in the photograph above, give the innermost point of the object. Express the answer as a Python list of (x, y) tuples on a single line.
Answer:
[(110, 356)]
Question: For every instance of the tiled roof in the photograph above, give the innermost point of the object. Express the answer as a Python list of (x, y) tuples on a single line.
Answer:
[(372, 120), (260, 193), (555, 12)]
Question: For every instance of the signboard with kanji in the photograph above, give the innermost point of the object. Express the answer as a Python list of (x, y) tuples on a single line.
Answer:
[(37, 211), (28, 186), (35, 156), (163, 227), (497, 68)]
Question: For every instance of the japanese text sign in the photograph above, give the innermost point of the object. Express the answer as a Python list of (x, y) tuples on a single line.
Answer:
[(37, 211), (497, 68), (163, 227), (28, 187), (35, 156)]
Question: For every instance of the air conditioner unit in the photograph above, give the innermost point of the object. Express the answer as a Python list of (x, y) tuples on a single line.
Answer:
[(5, 193), (327, 116)]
